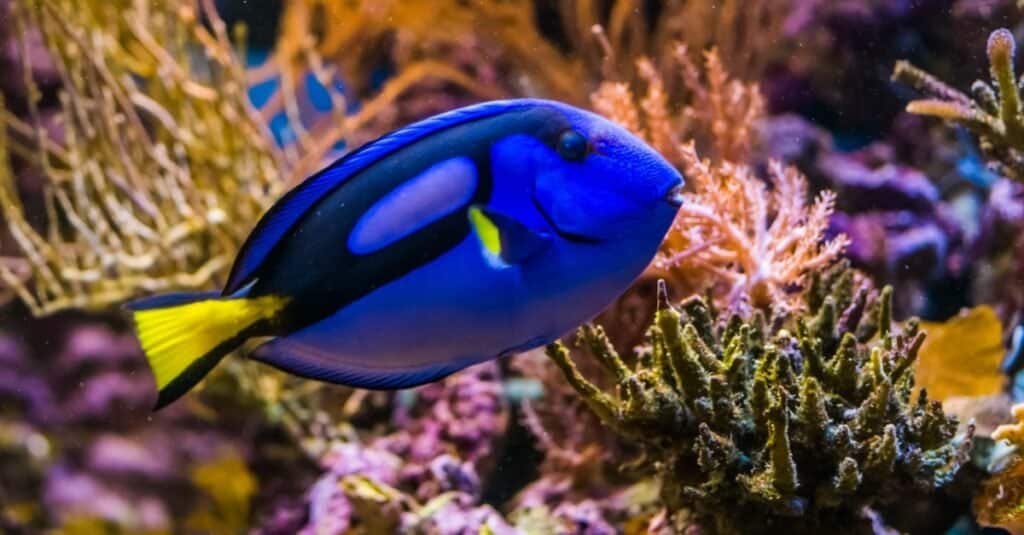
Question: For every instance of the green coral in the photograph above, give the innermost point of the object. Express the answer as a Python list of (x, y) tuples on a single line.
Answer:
[(799, 421), (993, 111)]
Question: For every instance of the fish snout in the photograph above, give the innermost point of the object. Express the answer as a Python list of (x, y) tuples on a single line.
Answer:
[(674, 195)]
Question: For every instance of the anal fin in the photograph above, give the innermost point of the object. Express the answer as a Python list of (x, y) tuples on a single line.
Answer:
[(311, 362)]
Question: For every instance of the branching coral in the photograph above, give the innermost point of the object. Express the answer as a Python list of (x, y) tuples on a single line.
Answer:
[(161, 165), (721, 112), (799, 422), (993, 111), (546, 48), (156, 164), (750, 242), (753, 246)]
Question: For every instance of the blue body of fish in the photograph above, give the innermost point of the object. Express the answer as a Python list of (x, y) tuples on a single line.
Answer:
[(477, 233)]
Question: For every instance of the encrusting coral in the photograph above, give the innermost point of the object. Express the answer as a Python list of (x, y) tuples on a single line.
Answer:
[(800, 421), (993, 111)]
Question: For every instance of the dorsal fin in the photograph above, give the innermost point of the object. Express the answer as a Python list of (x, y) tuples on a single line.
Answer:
[(293, 205)]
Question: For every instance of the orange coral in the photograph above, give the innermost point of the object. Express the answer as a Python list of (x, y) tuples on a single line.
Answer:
[(750, 244), (721, 113), (506, 43)]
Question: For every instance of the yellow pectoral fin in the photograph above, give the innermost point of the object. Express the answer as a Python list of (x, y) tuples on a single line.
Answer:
[(504, 238), (486, 231)]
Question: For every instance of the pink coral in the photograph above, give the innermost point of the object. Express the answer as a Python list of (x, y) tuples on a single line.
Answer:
[(750, 242)]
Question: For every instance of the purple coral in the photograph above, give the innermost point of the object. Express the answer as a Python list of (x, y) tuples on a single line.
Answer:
[(464, 415), (443, 435)]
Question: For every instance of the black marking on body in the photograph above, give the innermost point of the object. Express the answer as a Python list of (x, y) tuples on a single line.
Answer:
[(312, 263)]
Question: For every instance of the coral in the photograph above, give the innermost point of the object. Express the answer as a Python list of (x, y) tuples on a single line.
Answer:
[(577, 458), (999, 501), (155, 162), (962, 356), (447, 436), (160, 164), (901, 230), (721, 112), (993, 112), (1012, 433), (912, 221), (527, 47), (440, 445), (374, 507), (800, 422), (751, 245)]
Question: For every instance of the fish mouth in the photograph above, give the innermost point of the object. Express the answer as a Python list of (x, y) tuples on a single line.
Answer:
[(674, 196), (564, 234)]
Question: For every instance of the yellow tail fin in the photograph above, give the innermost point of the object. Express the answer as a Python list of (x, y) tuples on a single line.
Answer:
[(185, 335)]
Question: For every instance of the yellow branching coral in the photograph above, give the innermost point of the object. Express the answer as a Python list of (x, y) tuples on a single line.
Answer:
[(163, 165), (160, 169), (751, 245)]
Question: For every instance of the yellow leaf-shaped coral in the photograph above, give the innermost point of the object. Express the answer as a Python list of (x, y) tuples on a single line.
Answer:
[(228, 486), (961, 356)]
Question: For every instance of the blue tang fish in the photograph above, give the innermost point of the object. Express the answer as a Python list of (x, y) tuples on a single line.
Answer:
[(477, 233)]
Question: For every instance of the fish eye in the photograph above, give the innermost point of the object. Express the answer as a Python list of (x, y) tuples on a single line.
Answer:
[(572, 146)]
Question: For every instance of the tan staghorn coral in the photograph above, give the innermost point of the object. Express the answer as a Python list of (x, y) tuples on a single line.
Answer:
[(158, 166), (751, 243), (163, 165), (993, 111)]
